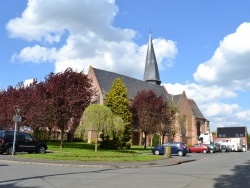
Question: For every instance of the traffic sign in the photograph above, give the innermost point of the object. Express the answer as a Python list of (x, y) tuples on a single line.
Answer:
[(17, 118)]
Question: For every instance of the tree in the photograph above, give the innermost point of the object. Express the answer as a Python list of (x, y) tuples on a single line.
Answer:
[(37, 109), (98, 118), (4, 120), (167, 126), (30, 102), (118, 102), (117, 131), (58, 102), (67, 94), (8, 100), (148, 110)]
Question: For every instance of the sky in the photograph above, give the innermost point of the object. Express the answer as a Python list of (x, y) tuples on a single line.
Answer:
[(202, 47)]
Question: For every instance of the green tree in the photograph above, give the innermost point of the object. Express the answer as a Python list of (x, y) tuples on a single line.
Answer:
[(119, 104), (117, 130), (98, 118)]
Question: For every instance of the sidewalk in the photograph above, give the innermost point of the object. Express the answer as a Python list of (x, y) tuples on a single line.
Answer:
[(174, 160)]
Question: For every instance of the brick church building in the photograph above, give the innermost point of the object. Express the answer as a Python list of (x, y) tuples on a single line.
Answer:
[(194, 123)]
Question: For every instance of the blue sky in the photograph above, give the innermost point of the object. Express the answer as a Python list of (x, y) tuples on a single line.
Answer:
[(202, 47)]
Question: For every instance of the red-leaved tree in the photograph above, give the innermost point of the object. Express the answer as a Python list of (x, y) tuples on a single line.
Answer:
[(148, 111), (8, 100), (67, 94)]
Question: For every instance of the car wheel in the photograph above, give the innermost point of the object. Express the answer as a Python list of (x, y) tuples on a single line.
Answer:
[(41, 149), (204, 151), (9, 150), (157, 152), (180, 153), (211, 151)]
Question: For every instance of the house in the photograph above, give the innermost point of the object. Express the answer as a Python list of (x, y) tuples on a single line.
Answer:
[(228, 133), (194, 124)]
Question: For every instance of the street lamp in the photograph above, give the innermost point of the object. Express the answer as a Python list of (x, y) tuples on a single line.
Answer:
[(16, 118)]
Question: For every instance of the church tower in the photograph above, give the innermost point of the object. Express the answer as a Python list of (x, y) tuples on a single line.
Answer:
[(151, 72)]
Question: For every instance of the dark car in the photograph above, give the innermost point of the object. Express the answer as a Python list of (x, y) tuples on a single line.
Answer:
[(177, 148), (25, 142), (214, 148), (199, 148), (225, 148)]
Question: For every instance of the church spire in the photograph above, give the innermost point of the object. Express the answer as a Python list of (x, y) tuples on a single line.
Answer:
[(151, 72)]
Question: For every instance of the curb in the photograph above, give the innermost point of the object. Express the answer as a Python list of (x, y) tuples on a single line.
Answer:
[(97, 165)]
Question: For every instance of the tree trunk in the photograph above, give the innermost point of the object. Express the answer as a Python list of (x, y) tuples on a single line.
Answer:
[(96, 141), (173, 136), (151, 140), (140, 139), (61, 135), (162, 138), (145, 140), (50, 129)]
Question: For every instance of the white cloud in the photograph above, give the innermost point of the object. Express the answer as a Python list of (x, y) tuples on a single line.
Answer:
[(244, 115), (28, 82), (163, 47), (219, 109), (222, 77), (202, 94), (91, 39), (35, 54), (230, 64), (48, 19), (208, 100)]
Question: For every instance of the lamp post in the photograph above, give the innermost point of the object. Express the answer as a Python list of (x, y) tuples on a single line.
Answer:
[(16, 118)]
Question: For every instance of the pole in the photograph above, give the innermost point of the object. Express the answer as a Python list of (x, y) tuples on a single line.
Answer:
[(16, 119), (14, 141)]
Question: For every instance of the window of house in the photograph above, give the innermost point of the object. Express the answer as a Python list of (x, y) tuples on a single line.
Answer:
[(241, 135), (224, 135), (236, 135), (220, 135)]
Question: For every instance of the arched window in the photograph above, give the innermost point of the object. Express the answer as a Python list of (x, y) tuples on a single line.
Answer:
[(198, 127)]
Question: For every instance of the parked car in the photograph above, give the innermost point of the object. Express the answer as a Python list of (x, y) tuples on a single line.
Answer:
[(214, 148), (217, 148), (177, 148), (244, 148), (225, 148), (25, 142), (199, 148)]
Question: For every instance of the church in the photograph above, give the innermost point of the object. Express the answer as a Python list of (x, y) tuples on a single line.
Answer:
[(194, 123)]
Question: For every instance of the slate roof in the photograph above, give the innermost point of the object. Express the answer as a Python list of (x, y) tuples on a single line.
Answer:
[(106, 80), (231, 132), (151, 72), (196, 111), (192, 104), (176, 98)]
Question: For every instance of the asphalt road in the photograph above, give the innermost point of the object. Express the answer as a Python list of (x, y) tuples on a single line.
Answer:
[(210, 170)]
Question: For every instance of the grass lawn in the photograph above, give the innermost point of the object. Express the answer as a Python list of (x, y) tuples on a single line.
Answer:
[(79, 151)]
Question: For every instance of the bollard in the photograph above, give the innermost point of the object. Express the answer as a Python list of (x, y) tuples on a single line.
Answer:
[(168, 151)]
